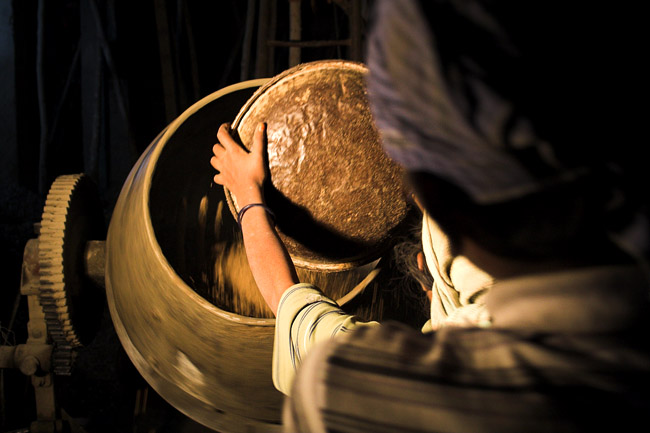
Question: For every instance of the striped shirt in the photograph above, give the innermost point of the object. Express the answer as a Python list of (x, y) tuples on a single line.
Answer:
[(306, 317), (566, 352)]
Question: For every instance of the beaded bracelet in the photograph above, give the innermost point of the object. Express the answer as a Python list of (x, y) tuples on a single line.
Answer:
[(240, 215)]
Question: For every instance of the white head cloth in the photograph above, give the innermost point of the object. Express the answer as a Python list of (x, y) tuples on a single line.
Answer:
[(459, 287), (426, 122)]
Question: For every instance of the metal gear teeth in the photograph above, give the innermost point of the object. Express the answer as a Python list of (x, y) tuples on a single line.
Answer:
[(62, 360), (53, 297)]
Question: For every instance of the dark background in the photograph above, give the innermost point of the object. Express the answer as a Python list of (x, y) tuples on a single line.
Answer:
[(85, 86)]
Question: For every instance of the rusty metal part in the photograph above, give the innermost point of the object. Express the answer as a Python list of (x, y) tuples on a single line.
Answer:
[(35, 358), (95, 261), (338, 198), (31, 359), (71, 304), (30, 365), (48, 413), (30, 287)]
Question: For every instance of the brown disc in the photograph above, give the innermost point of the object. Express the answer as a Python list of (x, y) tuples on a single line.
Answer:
[(336, 195)]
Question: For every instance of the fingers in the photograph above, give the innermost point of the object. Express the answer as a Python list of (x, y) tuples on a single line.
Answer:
[(224, 137), (218, 149), (226, 142), (259, 139), (236, 167), (214, 162)]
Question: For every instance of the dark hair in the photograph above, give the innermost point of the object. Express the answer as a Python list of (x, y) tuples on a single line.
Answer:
[(405, 252)]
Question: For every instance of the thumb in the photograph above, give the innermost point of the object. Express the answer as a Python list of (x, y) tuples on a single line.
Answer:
[(259, 139)]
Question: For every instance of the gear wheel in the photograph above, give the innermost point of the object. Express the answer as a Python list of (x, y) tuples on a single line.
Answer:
[(72, 303)]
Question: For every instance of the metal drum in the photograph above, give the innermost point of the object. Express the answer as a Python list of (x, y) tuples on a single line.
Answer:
[(211, 364), (175, 271)]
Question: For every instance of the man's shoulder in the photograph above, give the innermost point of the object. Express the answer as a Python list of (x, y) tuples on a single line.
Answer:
[(476, 379), (446, 354)]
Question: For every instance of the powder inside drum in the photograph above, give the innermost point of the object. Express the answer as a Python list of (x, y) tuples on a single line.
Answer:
[(234, 289)]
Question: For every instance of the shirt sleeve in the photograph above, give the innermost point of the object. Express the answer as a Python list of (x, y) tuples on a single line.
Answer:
[(305, 317)]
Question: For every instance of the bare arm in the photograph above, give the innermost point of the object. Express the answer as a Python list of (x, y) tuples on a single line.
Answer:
[(244, 174)]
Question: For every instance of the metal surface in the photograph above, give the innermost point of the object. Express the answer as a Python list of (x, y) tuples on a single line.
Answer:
[(212, 365), (71, 303), (338, 198), (95, 261), (169, 227), (35, 357)]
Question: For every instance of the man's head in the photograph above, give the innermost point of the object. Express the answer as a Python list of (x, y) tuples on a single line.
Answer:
[(491, 107)]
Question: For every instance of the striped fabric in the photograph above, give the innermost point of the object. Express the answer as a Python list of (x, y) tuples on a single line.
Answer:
[(576, 358), (306, 317)]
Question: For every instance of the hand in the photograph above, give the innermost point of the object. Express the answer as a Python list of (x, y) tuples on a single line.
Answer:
[(242, 173)]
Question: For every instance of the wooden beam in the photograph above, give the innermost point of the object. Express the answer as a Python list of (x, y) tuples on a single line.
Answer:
[(262, 56), (309, 44), (354, 19), (295, 31), (166, 61)]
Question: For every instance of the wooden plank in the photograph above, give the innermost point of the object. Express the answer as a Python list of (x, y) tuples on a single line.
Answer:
[(295, 31)]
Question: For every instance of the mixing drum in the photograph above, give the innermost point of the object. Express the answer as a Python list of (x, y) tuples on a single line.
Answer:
[(169, 229), (210, 364)]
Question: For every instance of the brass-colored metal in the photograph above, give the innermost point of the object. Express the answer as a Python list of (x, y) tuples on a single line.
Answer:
[(338, 198), (72, 216), (35, 358), (95, 261), (167, 230), (212, 365)]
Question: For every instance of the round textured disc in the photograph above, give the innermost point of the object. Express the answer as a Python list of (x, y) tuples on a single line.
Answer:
[(336, 195), (72, 304)]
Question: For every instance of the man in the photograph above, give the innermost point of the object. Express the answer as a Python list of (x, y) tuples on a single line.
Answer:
[(483, 104)]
